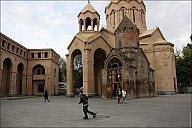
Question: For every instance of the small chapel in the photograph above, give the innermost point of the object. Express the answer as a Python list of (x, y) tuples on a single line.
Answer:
[(123, 55)]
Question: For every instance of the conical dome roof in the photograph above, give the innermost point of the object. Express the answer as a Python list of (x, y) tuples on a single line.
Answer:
[(88, 7)]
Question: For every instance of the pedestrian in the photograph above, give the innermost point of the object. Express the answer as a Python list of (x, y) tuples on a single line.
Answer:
[(46, 96), (84, 101), (119, 96), (124, 93)]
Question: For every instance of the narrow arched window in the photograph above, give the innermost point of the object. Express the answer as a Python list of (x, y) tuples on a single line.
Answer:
[(114, 18), (142, 16), (133, 8)]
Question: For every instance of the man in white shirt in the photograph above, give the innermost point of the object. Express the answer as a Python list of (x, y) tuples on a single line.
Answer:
[(124, 96)]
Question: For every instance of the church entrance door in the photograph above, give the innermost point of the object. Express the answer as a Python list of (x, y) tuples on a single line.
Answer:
[(115, 75)]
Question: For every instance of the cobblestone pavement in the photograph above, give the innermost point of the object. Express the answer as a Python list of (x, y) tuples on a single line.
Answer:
[(160, 111)]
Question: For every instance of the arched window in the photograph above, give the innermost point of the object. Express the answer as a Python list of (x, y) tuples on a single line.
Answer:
[(114, 70), (134, 8), (95, 23), (142, 16), (88, 23), (81, 24), (123, 11), (38, 70), (114, 74), (114, 18)]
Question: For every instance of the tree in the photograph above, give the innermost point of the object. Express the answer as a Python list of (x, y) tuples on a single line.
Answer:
[(77, 72), (184, 66), (62, 70)]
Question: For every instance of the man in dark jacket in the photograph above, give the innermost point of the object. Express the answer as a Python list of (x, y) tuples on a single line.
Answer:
[(84, 101), (46, 95)]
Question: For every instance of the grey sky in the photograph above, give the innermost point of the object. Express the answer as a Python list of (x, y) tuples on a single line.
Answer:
[(53, 24)]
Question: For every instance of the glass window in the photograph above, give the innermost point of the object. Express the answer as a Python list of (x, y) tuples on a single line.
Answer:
[(39, 54), (40, 87)]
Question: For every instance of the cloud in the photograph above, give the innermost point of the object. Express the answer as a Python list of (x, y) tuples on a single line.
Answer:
[(53, 24), (173, 18)]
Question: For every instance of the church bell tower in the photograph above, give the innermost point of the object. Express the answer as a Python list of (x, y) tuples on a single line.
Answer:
[(88, 19)]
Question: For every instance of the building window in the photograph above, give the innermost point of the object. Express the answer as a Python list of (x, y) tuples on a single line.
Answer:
[(43, 71), (8, 46), (24, 54), (46, 54), (54, 72), (134, 14), (3, 43), (21, 52), (17, 50), (114, 18), (39, 54), (32, 55), (38, 72), (142, 16), (13, 48), (40, 87)]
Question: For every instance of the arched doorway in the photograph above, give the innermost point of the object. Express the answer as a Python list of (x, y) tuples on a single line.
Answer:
[(7, 68), (99, 57), (38, 85), (19, 79), (77, 71), (114, 75)]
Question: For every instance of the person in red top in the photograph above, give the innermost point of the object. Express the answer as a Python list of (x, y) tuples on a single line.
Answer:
[(119, 96)]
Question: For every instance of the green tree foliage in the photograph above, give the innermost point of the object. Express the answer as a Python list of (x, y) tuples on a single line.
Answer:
[(77, 72), (62, 70), (184, 66)]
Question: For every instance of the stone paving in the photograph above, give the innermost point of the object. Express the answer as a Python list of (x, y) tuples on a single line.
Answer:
[(160, 111)]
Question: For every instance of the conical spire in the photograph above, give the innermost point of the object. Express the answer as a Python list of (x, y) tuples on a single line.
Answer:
[(88, 7)]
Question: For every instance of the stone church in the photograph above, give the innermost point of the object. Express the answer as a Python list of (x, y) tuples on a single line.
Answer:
[(27, 71), (123, 55)]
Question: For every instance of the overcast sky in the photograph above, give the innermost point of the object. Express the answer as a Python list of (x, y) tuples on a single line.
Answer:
[(53, 24)]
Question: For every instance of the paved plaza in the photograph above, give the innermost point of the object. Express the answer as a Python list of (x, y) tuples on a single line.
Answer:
[(160, 111)]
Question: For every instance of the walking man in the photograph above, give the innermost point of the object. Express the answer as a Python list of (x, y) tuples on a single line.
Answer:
[(84, 101), (46, 96)]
